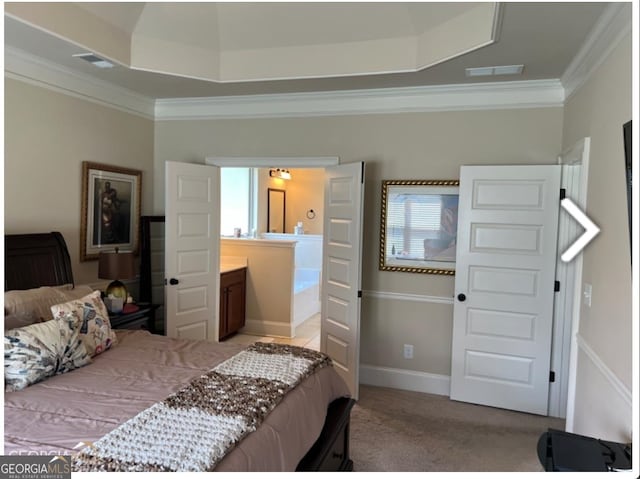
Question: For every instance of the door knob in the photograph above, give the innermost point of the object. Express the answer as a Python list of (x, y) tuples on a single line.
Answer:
[(173, 281), (461, 297)]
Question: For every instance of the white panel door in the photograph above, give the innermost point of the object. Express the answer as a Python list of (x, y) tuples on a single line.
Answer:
[(341, 281), (504, 287), (192, 232)]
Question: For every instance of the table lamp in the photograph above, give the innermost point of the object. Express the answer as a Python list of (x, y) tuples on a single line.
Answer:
[(116, 266)]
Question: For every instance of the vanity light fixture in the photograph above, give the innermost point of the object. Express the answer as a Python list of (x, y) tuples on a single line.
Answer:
[(280, 173)]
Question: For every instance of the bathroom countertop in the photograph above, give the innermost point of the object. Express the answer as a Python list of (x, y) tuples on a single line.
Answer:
[(226, 268)]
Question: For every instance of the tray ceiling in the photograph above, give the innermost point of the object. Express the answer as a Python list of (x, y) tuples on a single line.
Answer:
[(168, 50)]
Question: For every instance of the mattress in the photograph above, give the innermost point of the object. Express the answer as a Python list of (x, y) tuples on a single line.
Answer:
[(54, 416)]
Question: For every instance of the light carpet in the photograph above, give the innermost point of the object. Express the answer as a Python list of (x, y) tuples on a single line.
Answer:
[(394, 430)]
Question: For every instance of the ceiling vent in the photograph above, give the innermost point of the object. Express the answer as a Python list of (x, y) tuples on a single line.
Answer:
[(499, 70), (94, 60)]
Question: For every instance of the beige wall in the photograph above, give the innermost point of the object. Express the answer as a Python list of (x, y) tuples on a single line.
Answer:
[(305, 192), (47, 137), (393, 146), (598, 110)]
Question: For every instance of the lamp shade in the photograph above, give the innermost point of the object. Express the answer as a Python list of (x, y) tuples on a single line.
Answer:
[(116, 265)]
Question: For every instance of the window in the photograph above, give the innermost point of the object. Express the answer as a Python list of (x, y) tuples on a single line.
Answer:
[(237, 201)]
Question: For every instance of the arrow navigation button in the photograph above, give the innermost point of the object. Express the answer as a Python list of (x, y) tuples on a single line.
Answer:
[(591, 230)]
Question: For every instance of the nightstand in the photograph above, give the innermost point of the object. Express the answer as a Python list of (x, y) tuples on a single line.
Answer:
[(143, 318)]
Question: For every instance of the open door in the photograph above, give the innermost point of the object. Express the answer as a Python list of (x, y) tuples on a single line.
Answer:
[(575, 172), (192, 259), (341, 266), (505, 277)]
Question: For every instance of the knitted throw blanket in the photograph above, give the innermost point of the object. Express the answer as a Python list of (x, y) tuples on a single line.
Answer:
[(194, 428)]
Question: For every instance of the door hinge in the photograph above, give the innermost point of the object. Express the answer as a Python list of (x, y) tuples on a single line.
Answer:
[(563, 193), (552, 376), (556, 286), (360, 294), (362, 172)]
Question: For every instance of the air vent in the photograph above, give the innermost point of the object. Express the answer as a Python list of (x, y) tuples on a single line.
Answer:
[(94, 60), (499, 70)]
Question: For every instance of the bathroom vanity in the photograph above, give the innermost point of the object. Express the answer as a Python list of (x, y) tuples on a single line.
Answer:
[(233, 288)]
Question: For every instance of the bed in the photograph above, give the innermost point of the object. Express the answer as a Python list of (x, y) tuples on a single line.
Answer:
[(307, 431)]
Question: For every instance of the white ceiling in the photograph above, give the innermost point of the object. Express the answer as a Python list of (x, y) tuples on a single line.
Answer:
[(544, 37), (273, 25)]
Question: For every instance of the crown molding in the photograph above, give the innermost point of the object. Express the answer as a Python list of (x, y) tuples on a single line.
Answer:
[(22, 66), (19, 65), (477, 96), (612, 26)]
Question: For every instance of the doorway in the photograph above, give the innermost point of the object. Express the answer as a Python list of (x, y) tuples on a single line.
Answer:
[(341, 258), (270, 211), (574, 179)]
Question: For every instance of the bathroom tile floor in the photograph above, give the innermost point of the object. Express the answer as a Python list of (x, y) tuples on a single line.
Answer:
[(307, 335)]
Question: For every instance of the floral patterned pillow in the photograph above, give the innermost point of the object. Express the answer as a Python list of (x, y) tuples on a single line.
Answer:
[(35, 352), (95, 328)]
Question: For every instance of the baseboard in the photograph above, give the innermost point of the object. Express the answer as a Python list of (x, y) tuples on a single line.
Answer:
[(405, 379), (268, 328)]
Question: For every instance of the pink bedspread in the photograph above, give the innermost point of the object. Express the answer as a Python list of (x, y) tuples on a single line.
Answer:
[(53, 416)]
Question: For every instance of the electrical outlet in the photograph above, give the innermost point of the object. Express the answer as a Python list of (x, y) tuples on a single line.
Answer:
[(408, 351)]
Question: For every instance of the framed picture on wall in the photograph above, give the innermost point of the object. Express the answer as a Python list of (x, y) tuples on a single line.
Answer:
[(418, 226), (110, 209)]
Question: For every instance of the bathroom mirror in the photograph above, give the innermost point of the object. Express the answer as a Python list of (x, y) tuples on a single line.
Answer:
[(275, 211)]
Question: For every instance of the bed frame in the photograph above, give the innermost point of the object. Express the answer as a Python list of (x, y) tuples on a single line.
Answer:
[(34, 260), (42, 259)]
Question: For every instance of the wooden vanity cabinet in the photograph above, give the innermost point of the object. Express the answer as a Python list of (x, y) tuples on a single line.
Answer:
[(233, 287)]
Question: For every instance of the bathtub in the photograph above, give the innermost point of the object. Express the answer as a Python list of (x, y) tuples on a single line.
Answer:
[(306, 294)]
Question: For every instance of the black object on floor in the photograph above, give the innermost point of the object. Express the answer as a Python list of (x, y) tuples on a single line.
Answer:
[(564, 451)]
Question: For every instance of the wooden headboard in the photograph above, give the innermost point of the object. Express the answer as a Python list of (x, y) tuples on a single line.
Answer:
[(33, 260)]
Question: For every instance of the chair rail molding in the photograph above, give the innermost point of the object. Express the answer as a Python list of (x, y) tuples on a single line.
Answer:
[(420, 298), (617, 385)]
